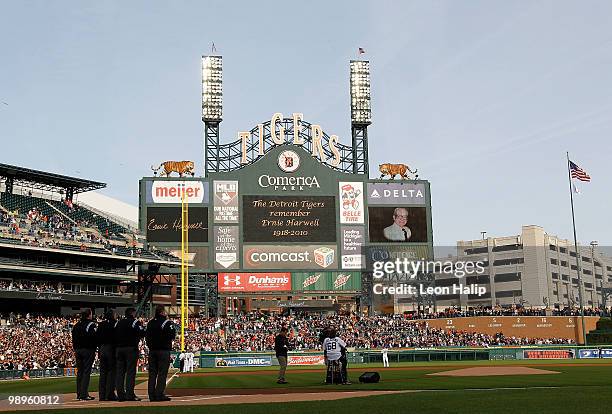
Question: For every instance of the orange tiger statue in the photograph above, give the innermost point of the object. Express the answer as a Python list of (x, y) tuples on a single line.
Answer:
[(180, 167), (394, 169)]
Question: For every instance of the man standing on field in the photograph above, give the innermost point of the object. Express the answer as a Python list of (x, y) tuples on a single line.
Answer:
[(281, 346), (385, 357)]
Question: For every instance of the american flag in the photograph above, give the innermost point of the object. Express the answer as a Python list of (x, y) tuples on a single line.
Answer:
[(578, 173)]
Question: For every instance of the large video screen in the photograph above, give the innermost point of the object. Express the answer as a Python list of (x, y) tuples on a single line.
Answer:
[(164, 224), (297, 219), (398, 224)]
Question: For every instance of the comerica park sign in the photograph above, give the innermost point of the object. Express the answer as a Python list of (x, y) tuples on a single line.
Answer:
[(281, 135), (286, 211)]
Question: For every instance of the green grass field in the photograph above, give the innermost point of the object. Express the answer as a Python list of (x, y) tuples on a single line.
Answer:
[(578, 387)]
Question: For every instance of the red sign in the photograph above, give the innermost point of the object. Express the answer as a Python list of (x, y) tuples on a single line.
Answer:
[(253, 282), (306, 360), (549, 354)]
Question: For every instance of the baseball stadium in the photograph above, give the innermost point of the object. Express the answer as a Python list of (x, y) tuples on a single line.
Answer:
[(277, 234)]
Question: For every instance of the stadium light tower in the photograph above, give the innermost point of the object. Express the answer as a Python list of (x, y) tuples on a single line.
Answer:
[(212, 109), (361, 114)]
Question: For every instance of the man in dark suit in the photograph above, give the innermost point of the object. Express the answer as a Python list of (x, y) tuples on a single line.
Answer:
[(159, 335), (84, 343), (128, 333), (106, 355)]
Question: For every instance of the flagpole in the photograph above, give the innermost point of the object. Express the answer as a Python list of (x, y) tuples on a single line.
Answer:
[(578, 255)]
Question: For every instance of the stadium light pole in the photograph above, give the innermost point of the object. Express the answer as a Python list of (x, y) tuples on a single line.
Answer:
[(212, 109), (361, 113)]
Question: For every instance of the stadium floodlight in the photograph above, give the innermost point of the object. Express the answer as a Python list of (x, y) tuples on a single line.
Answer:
[(212, 89), (361, 112)]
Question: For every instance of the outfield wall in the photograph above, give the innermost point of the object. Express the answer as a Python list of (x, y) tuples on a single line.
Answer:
[(568, 327)]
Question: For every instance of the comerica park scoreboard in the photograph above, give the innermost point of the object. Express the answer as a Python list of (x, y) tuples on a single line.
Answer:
[(286, 228)]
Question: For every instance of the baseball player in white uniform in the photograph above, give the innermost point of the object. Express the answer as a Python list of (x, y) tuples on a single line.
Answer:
[(334, 349), (385, 357)]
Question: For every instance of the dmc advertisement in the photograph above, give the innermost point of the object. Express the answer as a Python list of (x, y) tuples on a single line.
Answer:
[(267, 256), (289, 219), (353, 240), (253, 282), (398, 224), (164, 224), (228, 362)]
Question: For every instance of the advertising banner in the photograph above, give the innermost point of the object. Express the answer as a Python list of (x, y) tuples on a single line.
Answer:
[(226, 247), (549, 354), (253, 282), (164, 224), (171, 191), (299, 219), (225, 201), (351, 202), (306, 360), (595, 353), (326, 282), (396, 193), (353, 238), (267, 256), (301, 304), (228, 362)]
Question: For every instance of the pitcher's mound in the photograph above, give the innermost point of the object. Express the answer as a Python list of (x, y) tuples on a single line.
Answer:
[(488, 371)]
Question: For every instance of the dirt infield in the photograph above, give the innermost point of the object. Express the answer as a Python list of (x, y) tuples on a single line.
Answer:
[(491, 371)]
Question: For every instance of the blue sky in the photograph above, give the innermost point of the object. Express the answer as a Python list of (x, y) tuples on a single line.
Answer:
[(483, 97)]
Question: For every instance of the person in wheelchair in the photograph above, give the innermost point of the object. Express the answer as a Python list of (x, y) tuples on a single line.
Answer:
[(334, 349)]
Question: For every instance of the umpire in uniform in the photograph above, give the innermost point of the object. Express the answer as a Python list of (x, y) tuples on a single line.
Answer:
[(84, 341), (128, 333), (159, 335), (106, 356)]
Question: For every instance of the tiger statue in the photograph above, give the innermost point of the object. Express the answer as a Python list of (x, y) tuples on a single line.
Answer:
[(394, 169), (180, 167)]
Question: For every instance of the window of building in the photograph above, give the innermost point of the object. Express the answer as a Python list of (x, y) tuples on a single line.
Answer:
[(562, 250), (564, 263), (507, 262), (587, 272), (565, 277), (573, 254), (508, 294), (507, 248), (480, 279), (507, 277), (586, 259), (477, 250), (554, 261), (555, 275), (588, 285), (574, 281), (552, 247), (574, 267)]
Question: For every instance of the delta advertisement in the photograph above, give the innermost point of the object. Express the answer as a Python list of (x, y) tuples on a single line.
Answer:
[(254, 282), (228, 362), (326, 282)]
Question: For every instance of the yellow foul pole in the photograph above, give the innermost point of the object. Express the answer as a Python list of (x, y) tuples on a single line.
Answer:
[(184, 268)]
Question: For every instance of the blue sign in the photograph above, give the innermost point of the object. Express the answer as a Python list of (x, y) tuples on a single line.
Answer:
[(262, 361), (595, 353)]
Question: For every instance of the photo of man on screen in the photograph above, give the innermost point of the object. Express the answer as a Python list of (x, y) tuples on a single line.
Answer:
[(398, 231)]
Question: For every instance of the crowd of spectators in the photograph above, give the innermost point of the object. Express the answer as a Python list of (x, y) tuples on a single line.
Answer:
[(32, 285), (45, 342), (513, 311)]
